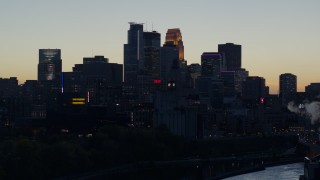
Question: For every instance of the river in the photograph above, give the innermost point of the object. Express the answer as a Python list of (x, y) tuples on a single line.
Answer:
[(283, 172)]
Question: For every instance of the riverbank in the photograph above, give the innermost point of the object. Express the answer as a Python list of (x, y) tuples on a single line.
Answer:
[(259, 168), (284, 162), (156, 151), (239, 172), (283, 172), (177, 169)]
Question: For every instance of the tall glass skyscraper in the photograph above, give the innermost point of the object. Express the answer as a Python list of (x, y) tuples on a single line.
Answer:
[(211, 64), (152, 53), (133, 53), (169, 56), (50, 64), (232, 55)]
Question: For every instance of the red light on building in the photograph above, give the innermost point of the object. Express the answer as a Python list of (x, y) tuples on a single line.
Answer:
[(157, 81), (261, 100)]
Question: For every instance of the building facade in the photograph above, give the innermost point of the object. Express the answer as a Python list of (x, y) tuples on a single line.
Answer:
[(211, 64), (174, 37), (50, 64), (288, 88), (254, 89), (232, 55), (133, 53)]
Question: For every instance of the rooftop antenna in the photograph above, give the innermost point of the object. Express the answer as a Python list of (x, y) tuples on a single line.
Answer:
[(152, 26)]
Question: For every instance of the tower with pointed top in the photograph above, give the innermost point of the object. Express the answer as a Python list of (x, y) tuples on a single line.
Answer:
[(174, 37)]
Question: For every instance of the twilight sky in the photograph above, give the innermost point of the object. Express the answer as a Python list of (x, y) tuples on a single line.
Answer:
[(277, 36)]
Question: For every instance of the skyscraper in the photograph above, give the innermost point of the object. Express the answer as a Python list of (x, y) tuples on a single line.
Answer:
[(50, 64), (288, 87), (229, 80), (150, 70), (313, 90), (211, 64), (240, 77), (169, 62), (133, 53), (254, 89), (232, 55), (174, 37), (152, 53), (195, 72)]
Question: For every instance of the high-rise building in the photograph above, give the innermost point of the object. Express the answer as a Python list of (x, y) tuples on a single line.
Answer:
[(232, 55), (8, 87), (229, 80), (169, 61), (195, 72), (254, 89), (288, 88), (50, 64), (150, 70), (313, 90), (240, 77), (133, 53), (211, 64), (210, 90), (96, 79), (152, 53), (174, 37)]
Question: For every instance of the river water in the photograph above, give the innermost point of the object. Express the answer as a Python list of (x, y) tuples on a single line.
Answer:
[(283, 172)]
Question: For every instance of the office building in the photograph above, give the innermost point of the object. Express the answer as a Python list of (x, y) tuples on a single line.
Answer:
[(174, 37), (194, 71), (8, 87), (96, 79), (180, 119), (151, 67), (240, 77), (169, 60), (254, 89), (288, 88), (50, 64), (152, 54), (211, 64), (313, 90), (133, 53), (210, 90), (229, 81), (232, 55)]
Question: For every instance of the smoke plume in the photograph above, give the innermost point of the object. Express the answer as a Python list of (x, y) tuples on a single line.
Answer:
[(293, 107), (312, 110)]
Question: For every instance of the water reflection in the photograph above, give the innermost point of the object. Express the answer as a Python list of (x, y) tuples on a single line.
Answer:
[(284, 172)]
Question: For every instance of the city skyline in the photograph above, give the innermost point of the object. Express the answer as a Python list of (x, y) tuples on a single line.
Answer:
[(276, 37)]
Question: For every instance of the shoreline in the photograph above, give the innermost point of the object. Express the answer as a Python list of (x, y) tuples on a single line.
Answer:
[(239, 172), (146, 166), (256, 169)]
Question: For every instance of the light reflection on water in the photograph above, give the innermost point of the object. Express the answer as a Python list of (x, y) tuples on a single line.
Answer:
[(283, 172)]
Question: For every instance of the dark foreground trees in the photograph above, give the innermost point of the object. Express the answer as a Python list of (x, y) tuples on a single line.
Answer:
[(49, 155)]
